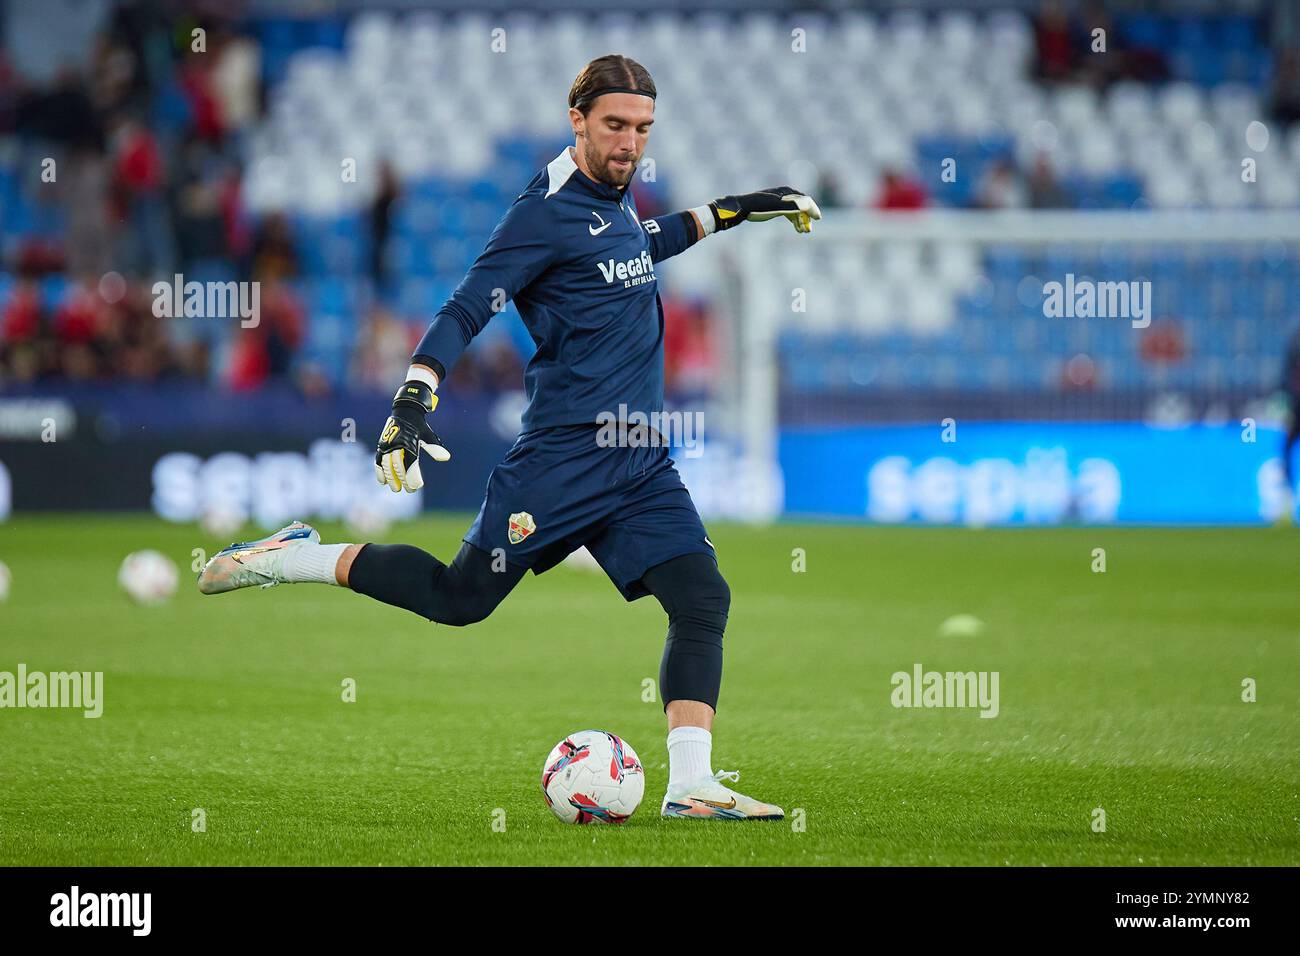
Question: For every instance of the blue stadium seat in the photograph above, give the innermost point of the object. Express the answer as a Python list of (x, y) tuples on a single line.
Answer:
[(1144, 30)]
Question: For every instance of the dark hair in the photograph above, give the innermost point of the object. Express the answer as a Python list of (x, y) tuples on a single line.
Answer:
[(611, 73)]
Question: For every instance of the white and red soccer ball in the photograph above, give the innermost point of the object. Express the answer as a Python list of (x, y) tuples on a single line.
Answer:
[(593, 777), (148, 576)]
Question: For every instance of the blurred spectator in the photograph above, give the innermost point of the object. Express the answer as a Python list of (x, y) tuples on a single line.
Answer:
[(79, 319), (198, 85), (1095, 66), (1284, 94), (829, 195), (502, 370), (274, 254), (38, 256), (650, 201), (1091, 49), (145, 238), (1053, 42), (8, 92), (898, 191), (264, 352), (20, 320), (65, 115), (84, 190), (1045, 192), (1120, 59), (201, 227), (116, 78), (1163, 342), (383, 350), (237, 224), (690, 354), (1000, 187), (381, 212), (235, 80)]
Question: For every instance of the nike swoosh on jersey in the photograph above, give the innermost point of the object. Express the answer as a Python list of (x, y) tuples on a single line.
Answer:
[(603, 225)]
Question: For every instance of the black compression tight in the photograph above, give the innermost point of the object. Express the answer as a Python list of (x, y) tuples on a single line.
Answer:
[(463, 592), (696, 598)]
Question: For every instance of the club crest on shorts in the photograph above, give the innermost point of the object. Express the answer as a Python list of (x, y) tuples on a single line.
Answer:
[(521, 526)]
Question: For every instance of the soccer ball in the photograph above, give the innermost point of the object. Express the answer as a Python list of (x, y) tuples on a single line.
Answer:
[(222, 521), (593, 777), (149, 577)]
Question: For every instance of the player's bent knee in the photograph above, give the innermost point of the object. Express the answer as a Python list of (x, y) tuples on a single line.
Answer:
[(692, 589), (709, 588), (717, 594), (708, 601), (471, 587)]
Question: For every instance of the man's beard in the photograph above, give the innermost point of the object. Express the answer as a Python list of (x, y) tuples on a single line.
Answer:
[(602, 171)]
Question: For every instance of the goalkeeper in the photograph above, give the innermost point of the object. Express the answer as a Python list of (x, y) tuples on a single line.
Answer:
[(579, 264)]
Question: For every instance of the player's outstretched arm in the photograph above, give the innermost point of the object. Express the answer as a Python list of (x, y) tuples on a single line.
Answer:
[(670, 235), (776, 202), (397, 459)]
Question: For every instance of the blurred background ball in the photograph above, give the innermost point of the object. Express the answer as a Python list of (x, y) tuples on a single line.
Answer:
[(148, 577), (365, 519), (962, 625), (222, 522)]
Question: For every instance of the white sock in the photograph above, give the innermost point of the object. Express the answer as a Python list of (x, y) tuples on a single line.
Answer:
[(690, 754), (313, 563)]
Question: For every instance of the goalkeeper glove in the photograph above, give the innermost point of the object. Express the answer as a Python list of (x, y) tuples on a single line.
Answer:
[(786, 201), (397, 460)]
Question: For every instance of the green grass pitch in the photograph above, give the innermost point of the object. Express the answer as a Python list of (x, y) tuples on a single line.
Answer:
[(1120, 690)]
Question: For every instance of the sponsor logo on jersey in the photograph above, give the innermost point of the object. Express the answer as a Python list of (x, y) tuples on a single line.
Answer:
[(521, 526), (630, 271), (603, 225)]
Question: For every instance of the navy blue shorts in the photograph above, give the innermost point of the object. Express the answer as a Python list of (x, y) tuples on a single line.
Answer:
[(558, 490)]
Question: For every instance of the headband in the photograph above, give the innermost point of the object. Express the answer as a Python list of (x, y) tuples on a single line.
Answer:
[(578, 104)]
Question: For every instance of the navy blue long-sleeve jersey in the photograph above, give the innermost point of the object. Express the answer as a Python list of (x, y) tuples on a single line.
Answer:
[(580, 266)]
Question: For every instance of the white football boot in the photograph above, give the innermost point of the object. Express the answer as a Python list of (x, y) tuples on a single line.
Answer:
[(258, 563), (707, 799)]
